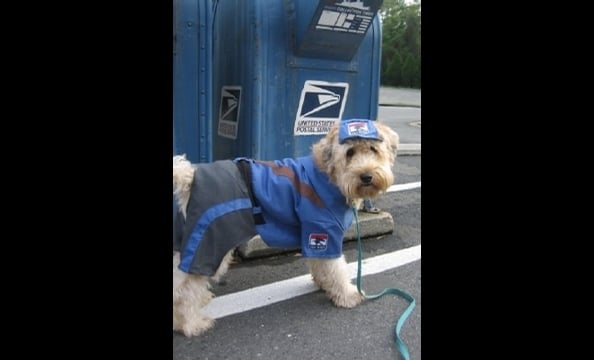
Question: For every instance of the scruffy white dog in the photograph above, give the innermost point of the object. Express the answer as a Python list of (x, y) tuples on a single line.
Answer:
[(304, 202)]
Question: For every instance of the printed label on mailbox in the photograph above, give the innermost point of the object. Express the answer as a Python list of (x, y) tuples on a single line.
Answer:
[(346, 16)]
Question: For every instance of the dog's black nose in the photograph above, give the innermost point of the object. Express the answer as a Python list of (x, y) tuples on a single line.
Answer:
[(366, 178)]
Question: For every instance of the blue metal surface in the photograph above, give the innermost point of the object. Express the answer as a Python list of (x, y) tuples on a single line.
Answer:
[(256, 46), (192, 79)]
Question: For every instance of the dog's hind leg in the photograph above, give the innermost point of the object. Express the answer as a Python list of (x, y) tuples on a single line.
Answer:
[(190, 294), (222, 270), (332, 275)]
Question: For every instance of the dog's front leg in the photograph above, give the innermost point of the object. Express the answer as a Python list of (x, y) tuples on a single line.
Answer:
[(332, 276)]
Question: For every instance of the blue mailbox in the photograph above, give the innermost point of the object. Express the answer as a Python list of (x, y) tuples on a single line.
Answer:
[(267, 78), (285, 71)]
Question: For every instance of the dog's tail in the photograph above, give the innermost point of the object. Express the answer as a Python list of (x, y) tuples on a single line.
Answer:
[(183, 174)]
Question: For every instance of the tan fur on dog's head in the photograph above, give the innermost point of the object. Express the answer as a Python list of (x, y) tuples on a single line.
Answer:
[(349, 165)]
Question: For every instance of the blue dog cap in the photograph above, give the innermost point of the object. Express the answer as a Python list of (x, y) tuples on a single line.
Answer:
[(357, 129)]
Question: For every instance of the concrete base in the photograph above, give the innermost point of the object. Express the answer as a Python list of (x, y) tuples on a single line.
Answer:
[(369, 225)]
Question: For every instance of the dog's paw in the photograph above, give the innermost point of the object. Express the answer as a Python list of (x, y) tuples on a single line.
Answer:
[(196, 327), (349, 298)]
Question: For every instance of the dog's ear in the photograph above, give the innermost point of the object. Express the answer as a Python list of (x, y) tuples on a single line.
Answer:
[(322, 151), (389, 136)]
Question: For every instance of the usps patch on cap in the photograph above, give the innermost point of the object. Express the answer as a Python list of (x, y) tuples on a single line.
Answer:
[(357, 129)]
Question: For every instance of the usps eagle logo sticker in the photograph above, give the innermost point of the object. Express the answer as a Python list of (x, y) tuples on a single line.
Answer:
[(229, 111), (318, 241), (321, 105)]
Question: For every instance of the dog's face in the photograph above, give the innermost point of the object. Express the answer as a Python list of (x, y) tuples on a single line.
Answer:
[(361, 168)]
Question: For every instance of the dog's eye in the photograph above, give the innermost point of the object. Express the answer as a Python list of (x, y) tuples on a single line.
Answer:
[(373, 149), (350, 152)]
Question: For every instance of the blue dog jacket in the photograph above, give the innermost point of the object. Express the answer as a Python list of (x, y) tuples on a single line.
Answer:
[(300, 207)]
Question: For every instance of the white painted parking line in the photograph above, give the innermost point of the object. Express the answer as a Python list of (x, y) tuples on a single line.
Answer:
[(407, 186), (265, 295)]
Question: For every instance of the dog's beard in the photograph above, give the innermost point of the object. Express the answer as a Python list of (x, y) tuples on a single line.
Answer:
[(352, 187)]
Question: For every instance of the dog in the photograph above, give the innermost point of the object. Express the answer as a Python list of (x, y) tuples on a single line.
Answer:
[(306, 202)]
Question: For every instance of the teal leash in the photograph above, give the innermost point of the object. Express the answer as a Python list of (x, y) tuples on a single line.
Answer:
[(400, 345)]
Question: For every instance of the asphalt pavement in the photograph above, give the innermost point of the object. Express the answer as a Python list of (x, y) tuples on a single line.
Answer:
[(400, 108)]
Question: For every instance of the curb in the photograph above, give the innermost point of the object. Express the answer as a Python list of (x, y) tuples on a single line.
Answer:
[(387, 104), (369, 225), (409, 149)]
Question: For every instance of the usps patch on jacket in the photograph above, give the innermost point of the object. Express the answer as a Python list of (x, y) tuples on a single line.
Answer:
[(318, 241)]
